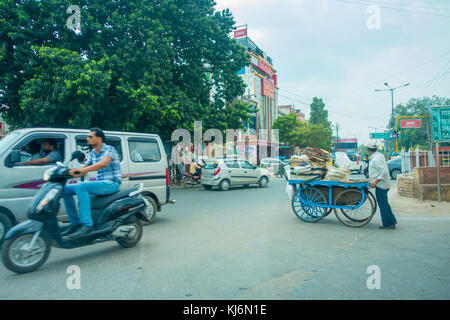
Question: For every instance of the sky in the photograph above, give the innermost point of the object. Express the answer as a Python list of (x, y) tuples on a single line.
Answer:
[(342, 50)]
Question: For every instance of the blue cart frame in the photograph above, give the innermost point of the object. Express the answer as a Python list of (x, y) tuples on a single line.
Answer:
[(312, 204)]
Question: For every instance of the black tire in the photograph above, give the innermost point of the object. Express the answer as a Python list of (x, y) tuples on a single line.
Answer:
[(350, 217), (131, 242), (12, 265), (186, 184), (224, 185), (246, 185), (5, 225), (151, 211), (207, 187), (263, 182), (395, 173)]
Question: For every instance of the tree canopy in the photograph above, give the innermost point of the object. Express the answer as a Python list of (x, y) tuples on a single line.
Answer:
[(296, 133), (415, 137), (133, 65)]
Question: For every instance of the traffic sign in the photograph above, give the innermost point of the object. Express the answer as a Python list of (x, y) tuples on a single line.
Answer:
[(380, 135), (440, 124)]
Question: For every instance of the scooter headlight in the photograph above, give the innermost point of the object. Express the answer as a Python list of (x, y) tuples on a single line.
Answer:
[(48, 173), (48, 197)]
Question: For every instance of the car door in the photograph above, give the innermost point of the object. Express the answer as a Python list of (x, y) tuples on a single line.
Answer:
[(234, 171), (250, 174)]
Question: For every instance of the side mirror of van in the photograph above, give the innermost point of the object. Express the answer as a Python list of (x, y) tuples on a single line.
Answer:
[(78, 155), (12, 158)]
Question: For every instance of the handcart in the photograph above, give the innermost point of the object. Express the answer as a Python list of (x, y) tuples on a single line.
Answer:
[(354, 205)]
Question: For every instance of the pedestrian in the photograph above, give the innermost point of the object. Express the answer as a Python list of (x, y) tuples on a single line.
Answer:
[(381, 181)]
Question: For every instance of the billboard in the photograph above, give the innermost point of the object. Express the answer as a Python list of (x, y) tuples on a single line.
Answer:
[(411, 123), (268, 89)]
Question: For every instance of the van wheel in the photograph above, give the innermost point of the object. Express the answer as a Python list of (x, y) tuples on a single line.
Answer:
[(224, 185), (5, 225), (151, 210)]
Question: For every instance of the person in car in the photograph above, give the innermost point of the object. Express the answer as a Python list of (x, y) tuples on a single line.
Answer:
[(51, 154)]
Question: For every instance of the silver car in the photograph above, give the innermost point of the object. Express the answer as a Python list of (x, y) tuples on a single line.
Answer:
[(224, 173)]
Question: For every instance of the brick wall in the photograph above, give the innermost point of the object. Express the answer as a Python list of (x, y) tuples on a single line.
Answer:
[(405, 185)]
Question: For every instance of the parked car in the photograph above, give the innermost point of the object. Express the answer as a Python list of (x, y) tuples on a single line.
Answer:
[(395, 167), (142, 158), (357, 163), (349, 162), (272, 163), (223, 173)]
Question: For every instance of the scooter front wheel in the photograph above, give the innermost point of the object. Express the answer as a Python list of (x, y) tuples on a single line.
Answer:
[(22, 255)]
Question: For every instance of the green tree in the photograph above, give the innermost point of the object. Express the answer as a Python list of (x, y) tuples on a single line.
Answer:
[(301, 134), (319, 115), (136, 65), (415, 137)]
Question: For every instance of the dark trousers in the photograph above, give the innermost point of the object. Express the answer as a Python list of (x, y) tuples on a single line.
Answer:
[(387, 217)]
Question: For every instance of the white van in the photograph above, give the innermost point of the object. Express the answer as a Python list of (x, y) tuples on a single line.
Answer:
[(143, 160)]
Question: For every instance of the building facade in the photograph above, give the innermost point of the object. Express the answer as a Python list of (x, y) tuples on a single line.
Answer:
[(262, 88), (290, 109)]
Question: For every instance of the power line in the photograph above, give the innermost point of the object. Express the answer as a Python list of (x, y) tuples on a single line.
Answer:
[(407, 4), (396, 74), (394, 8)]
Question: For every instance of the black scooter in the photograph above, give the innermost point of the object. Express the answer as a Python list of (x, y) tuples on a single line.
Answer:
[(116, 217)]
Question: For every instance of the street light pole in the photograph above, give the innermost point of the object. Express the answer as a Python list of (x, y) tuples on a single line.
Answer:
[(392, 102)]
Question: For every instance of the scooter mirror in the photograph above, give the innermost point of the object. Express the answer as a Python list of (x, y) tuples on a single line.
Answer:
[(78, 155)]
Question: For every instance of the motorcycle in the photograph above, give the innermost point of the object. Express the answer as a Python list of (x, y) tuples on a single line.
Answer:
[(116, 217), (190, 180)]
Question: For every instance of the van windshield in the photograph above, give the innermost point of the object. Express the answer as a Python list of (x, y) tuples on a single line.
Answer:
[(7, 140)]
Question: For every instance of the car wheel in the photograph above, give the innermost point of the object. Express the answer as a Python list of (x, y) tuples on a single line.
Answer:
[(263, 182), (395, 173), (151, 210), (5, 225), (224, 185)]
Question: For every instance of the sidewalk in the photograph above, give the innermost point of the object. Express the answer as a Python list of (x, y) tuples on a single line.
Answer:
[(404, 205)]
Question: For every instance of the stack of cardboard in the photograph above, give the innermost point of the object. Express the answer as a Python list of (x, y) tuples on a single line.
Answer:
[(318, 157)]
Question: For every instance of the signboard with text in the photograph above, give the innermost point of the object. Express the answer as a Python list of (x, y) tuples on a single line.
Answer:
[(268, 89), (265, 67), (411, 123), (440, 124), (240, 33)]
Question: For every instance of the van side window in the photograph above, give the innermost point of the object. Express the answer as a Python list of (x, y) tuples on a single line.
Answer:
[(144, 150), (41, 147), (82, 145)]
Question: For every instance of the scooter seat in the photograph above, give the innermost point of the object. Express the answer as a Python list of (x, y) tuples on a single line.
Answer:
[(101, 202)]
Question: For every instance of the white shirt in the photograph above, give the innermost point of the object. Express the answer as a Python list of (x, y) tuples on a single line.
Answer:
[(378, 169)]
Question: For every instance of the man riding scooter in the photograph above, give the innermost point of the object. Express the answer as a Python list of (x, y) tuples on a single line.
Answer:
[(104, 159)]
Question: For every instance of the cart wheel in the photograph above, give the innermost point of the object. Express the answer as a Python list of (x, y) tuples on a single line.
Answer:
[(354, 217), (328, 212), (305, 202)]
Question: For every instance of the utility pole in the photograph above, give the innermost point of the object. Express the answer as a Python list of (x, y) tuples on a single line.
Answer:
[(392, 102), (337, 135)]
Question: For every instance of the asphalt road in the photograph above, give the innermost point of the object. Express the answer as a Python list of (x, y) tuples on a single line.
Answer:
[(246, 243)]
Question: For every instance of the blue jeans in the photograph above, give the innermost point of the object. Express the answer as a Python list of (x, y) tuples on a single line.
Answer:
[(83, 190), (387, 217)]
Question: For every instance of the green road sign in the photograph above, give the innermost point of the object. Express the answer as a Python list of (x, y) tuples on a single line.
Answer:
[(440, 124), (380, 135)]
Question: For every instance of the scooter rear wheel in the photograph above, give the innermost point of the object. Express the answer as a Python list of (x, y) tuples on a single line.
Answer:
[(130, 242), (188, 183), (17, 257)]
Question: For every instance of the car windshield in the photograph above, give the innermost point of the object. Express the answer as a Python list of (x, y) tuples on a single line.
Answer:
[(211, 165), (6, 141)]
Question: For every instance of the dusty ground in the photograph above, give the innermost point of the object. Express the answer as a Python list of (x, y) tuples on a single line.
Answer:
[(405, 205)]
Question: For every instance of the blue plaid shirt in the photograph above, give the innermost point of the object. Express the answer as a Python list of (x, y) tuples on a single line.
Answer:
[(110, 172)]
